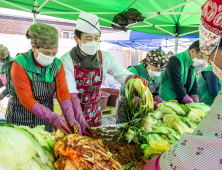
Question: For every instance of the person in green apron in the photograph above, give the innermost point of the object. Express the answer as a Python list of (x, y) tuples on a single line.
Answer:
[(34, 77), (4, 58), (201, 150), (150, 68), (170, 53), (178, 80), (208, 85)]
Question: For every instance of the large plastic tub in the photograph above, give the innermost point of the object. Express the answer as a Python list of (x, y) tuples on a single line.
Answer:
[(104, 99), (114, 93)]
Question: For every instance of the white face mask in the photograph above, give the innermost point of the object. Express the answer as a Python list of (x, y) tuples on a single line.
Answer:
[(90, 48), (153, 74), (217, 71), (197, 61), (44, 60)]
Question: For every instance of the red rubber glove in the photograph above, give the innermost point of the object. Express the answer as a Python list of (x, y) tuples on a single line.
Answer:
[(67, 110), (59, 123), (195, 98), (155, 105), (89, 132), (187, 99), (145, 82), (85, 128), (158, 99)]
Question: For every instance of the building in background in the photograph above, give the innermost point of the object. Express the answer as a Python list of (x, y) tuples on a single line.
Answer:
[(13, 29)]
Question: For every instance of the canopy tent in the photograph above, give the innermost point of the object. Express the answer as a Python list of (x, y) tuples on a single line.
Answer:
[(140, 40), (164, 17), (126, 40)]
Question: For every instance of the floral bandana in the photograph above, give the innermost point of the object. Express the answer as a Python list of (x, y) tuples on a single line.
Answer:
[(210, 26), (208, 40), (157, 58)]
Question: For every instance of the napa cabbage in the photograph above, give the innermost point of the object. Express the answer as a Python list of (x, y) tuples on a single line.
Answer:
[(23, 150)]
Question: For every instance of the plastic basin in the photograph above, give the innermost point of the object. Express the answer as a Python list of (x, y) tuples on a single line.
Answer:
[(114, 94), (104, 100)]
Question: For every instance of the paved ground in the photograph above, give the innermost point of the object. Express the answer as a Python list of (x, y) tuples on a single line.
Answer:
[(108, 120)]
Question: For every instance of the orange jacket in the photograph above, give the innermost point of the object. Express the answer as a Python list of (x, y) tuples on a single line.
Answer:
[(22, 85)]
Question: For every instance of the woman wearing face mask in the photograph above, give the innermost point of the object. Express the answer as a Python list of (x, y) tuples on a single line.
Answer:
[(86, 68), (201, 149), (34, 77), (178, 80), (150, 68), (4, 58)]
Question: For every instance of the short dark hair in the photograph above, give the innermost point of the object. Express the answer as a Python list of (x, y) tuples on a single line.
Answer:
[(78, 33), (195, 46), (170, 52), (32, 42)]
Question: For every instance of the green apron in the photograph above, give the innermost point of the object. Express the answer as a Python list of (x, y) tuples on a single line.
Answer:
[(203, 88), (43, 88), (166, 91), (5, 92)]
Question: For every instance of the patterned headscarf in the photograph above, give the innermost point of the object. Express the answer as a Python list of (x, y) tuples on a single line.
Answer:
[(43, 35), (4, 53), (157, 58), (210, 30)]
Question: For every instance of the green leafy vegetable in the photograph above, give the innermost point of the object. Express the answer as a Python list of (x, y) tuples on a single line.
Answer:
[(135, 87), (199, 106), (159, 123), (166, 130), (196, 115), (155, 147), (173, 108), (157, 115), (22, 151), (175, 122), (45, 138), (171, 139), (130, 134)]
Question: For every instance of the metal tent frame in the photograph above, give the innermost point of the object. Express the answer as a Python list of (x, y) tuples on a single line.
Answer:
[(36, 11)]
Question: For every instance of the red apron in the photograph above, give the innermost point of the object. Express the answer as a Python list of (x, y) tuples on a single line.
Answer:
[(88, 83)]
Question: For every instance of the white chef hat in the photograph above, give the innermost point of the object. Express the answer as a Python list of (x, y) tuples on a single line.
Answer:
[(88, 23)]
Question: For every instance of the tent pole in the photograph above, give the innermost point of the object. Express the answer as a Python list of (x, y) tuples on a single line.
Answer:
[(42, 5), (34, 18), (176, 45), (189, 33), (177, 6), (176, 38), (14, 5), (197, 2), (35, 5)]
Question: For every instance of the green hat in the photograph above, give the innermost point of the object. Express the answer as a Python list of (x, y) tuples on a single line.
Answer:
[(4, 53), (43, 35)]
